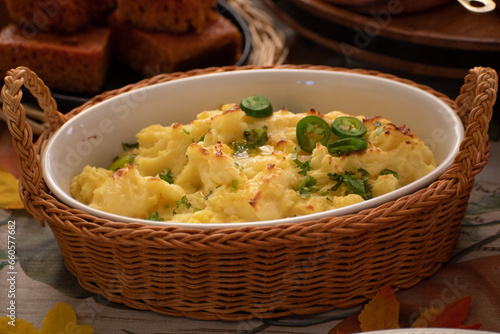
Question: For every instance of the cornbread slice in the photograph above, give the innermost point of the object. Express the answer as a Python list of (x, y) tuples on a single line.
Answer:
[(57, 15), (150, 53), (76, 63), (100, 9), (4, 14), (167, 15)]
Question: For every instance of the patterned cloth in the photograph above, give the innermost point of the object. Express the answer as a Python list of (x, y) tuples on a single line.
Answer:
[(41, 280)]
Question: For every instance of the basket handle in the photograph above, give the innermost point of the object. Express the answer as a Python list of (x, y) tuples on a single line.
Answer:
[(22, 134), (475, 108)]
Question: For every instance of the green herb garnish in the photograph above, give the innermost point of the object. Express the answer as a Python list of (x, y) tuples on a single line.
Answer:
[(127, 146), (304, 166), (306, 186), (122, 162), (184, 201), (155, 216), (353, 183), (203, 137), (234, 185), (208, 195), (380, 130), (254, 139), (389, 171), (167, 176)]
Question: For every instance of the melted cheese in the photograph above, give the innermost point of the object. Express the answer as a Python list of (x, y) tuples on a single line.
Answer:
[(214, 184)]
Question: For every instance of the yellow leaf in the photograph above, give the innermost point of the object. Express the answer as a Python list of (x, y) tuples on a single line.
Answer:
[(62, 319), (7, 326), (382, 312), (9, 191)]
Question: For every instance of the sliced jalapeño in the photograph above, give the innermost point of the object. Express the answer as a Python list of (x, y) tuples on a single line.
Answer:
[(346, 146), (311, 130), (348, 127), (257, 106)]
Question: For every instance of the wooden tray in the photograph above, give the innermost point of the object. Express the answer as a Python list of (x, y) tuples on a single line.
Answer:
[(443, 42)]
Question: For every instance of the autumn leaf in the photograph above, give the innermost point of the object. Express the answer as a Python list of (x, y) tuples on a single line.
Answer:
[(452, 315), (475, 326), (382, 312), (16, 325), (9, 191), (60, 319)]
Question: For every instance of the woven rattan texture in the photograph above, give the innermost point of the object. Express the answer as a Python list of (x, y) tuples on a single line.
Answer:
[(263, 272), (268, 42)]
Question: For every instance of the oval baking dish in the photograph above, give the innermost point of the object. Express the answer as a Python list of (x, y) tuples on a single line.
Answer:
[(254, 271), (96, 134)]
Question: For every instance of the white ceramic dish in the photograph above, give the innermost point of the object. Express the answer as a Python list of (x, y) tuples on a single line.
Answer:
[(95, 135)]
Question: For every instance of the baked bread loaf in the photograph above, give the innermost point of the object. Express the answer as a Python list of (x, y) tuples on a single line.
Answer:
[(167, 15), (150, 53), (57, 16), (100, 9), (76, 63), (4, 14)]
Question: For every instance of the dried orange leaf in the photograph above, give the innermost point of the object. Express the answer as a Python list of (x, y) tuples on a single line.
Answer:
[(452, 315), (9, 191), (16, 325), (382, 312), (348, 325), (62, 319), (475, 326)]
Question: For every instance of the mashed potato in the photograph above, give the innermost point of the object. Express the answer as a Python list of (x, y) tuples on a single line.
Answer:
[(212, 170)]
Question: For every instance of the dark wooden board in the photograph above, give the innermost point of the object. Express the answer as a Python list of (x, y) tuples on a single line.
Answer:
[(401, 43), (450, 25)]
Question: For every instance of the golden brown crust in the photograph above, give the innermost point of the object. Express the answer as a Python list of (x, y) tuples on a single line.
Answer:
[(100, 9), (167, 15), (76, 63), (150, 53), (4, 14), (57, 16)]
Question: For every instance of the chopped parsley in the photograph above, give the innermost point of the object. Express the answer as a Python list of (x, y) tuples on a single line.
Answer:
[(254, 138), (307, 186), (380, 130), (304, 166), (155, 216), (208, 195), (167, 176), (203, 137), (183, 201), (127, 146), (355, 183), (389, 171), (234, 185), (122, 162)]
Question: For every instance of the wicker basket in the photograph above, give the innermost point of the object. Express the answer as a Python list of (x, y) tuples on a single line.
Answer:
[(257, 272)]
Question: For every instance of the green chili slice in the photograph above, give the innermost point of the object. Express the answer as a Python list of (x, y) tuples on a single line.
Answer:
[(311, 130), (348, 127), (257, 106), (346, 146)]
